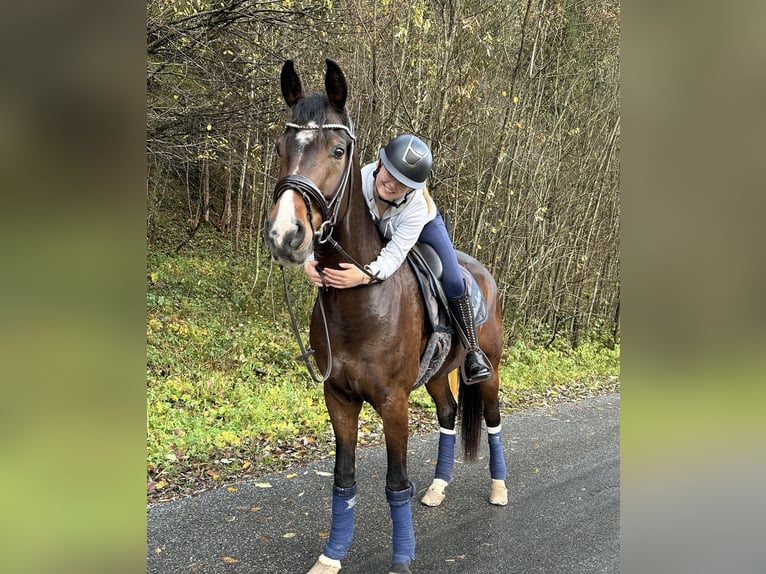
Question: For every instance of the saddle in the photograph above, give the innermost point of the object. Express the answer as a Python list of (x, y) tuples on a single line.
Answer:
[(428, 270)]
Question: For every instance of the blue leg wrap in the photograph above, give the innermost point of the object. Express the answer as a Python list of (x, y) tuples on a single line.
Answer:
[(446, 461), (342, 528), (496, 458), (403, 537)]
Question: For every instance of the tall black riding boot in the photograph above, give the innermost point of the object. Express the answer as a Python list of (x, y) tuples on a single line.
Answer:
[(477, 367)]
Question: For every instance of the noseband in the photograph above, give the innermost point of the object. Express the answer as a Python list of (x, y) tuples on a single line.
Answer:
[(309, 190)]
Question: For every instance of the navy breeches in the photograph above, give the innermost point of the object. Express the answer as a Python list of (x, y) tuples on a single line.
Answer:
[(435, 234)]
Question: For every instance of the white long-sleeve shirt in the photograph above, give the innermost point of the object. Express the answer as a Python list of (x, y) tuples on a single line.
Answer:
[(400, 225)]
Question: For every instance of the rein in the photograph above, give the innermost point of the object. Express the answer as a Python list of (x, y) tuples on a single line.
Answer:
[(306, 353), (329, 211)]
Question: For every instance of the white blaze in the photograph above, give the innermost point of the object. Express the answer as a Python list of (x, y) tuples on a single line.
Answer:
[(304, 138), (285, 219)]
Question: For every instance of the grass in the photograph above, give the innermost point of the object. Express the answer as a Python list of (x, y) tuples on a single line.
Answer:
[(225, 397)]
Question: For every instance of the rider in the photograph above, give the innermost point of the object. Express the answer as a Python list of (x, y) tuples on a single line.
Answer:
[(399, 203)]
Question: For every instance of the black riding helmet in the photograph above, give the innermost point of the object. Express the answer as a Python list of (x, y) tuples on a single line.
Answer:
[(408, 159)]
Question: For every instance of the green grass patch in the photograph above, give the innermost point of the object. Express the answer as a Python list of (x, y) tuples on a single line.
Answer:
[(533, 374)]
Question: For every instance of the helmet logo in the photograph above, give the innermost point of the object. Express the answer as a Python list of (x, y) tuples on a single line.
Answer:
[(411, 155)]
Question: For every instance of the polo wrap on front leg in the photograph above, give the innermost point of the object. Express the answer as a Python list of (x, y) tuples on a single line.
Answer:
[(342, 528), (403, 537)]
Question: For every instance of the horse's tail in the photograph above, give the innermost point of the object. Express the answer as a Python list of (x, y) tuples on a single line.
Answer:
[(471, 410)]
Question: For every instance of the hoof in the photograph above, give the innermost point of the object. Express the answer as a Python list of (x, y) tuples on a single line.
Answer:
[(400, 569), (498, 493), (325, 565), (434, 496)]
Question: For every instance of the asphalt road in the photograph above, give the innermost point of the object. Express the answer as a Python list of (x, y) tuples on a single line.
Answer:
[(563, 514)]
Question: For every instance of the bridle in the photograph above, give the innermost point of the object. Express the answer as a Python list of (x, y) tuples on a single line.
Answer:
[(330, 210), (309, 190)]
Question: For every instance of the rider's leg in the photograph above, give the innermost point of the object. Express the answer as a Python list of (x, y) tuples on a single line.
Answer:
[(477, 368)]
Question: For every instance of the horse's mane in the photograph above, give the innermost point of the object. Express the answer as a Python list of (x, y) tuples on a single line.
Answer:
[(314, 107)]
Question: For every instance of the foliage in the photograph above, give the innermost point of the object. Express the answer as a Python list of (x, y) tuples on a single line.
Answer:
[(519, 101), (536, 374), (220, 374)]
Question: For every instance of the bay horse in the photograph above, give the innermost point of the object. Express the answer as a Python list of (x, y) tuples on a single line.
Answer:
[(368, 340)]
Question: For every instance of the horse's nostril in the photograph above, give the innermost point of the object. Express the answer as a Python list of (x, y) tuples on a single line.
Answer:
[(298, 235)]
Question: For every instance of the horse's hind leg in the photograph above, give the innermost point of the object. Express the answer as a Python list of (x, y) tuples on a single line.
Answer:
[(446, 410), (498, 491), (344, 417)]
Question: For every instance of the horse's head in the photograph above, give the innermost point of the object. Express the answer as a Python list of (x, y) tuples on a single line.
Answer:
[(316, 155)]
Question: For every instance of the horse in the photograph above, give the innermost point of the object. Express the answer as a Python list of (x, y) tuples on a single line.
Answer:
[(368, 340)]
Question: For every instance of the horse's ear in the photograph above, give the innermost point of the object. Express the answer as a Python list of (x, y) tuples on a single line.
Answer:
[(292, 91), (335, 85)]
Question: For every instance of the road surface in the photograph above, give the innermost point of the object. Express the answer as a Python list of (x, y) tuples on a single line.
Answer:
[(562, 516)]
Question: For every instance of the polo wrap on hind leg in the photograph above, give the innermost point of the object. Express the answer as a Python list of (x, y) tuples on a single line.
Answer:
[(403, 536), (496, 458), (342, 528), (498, 493), (445, 464)]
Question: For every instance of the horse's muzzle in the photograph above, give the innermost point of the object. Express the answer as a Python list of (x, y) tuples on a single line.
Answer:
[(289, 245)]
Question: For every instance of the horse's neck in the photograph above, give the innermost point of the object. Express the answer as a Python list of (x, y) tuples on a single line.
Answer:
[(356, 233)]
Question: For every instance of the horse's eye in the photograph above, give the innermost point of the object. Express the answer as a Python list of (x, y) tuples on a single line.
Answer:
[(338, 152)]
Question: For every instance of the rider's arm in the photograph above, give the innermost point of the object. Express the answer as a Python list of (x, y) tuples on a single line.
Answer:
[(405, 231)]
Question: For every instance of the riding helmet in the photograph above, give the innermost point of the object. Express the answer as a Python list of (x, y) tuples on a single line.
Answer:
[(408, 159)]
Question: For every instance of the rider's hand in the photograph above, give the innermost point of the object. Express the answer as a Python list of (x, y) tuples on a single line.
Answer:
[(310, 267), (348, 276)]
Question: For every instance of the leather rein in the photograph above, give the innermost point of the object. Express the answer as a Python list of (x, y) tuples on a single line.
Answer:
[(329, 211)]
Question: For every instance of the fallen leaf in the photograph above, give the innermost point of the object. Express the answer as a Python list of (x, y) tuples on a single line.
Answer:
[(323, 473), (231, 489), (324, 535), (292, 475), (289, 535), (262, 485), (229, 560)]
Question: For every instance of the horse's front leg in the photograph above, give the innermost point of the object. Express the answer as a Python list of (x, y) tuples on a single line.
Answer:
[(399, 489), (344, 417)]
